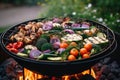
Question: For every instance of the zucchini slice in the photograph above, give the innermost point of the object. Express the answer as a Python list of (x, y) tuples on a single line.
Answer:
[(54, 58)]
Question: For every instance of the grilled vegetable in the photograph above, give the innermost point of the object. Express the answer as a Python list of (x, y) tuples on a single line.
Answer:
[(40, 42), (13, 47), (95, 49), (65, 53), (54, 58), (96, 40), (60, 50), (22, 54), (44, 56), (101, 35), (45, 36), (34, 53), (72, 37), (46, 46), (58, 39), (30, 47)]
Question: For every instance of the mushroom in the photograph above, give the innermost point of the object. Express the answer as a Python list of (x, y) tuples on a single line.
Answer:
[(27, 40)]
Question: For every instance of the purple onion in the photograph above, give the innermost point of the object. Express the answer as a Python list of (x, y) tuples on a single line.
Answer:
[(56, 45), (57, 20), (21, 50), (85, 26), (48, 25), (60, 50), (75, 25), (69, 31), (34, 53), (47, 51)]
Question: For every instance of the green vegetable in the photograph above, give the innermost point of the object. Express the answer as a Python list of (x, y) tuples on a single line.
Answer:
[(95, 49), (40, 42), (46, 46), (101, 35), (65, 53), (46, 55), (54, 58), (45, 36), (53, 32), (79, 29), (22, 54), (57, 28), (26, 51)]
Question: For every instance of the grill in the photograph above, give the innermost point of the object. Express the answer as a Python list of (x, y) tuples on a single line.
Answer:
[(60, 68)]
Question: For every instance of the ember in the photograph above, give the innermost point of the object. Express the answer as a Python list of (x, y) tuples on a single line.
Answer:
[(103, 70)]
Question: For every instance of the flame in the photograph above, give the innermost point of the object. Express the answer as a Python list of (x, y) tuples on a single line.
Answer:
[(91, 72), (29, 75)]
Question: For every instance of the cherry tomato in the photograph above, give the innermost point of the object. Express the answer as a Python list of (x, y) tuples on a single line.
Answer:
[(86, 56), (10, 45), (15, 45), (71, 57), (83, 51), (13, 50), (73, 44), (88, 46), (63, 45), (74, 52), (19, 44)]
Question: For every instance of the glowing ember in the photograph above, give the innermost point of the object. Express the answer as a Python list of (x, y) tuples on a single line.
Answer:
[(29, 75)]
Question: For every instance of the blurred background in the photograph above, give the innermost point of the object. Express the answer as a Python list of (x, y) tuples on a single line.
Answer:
[(14, 12)]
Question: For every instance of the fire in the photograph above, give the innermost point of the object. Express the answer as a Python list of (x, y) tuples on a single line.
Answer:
[(29, 75)]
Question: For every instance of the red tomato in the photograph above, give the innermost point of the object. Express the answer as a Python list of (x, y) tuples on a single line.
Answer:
[(63, 45), (13, 50), (74, 52), (10, 45), (88, 46), (15, 45), (73, 44), (71, 57), (19, 44), (86, 56), (83, 51)]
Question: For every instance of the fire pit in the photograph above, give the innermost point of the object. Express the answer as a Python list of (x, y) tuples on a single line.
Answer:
[(107, 68), (60, 68)]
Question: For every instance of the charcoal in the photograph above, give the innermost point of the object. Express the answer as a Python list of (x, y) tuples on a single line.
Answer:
[(111, 76), (103, 77), (105, 69), (106, 60), (114, 65), (99, 65)]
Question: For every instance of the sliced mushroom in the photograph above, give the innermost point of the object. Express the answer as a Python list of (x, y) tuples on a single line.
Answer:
[(33, 36), (27, 40)]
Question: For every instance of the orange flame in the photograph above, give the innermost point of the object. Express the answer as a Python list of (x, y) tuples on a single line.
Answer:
[(29, 75)]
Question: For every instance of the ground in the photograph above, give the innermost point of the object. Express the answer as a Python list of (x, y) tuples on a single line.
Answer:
[(16, 15)]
